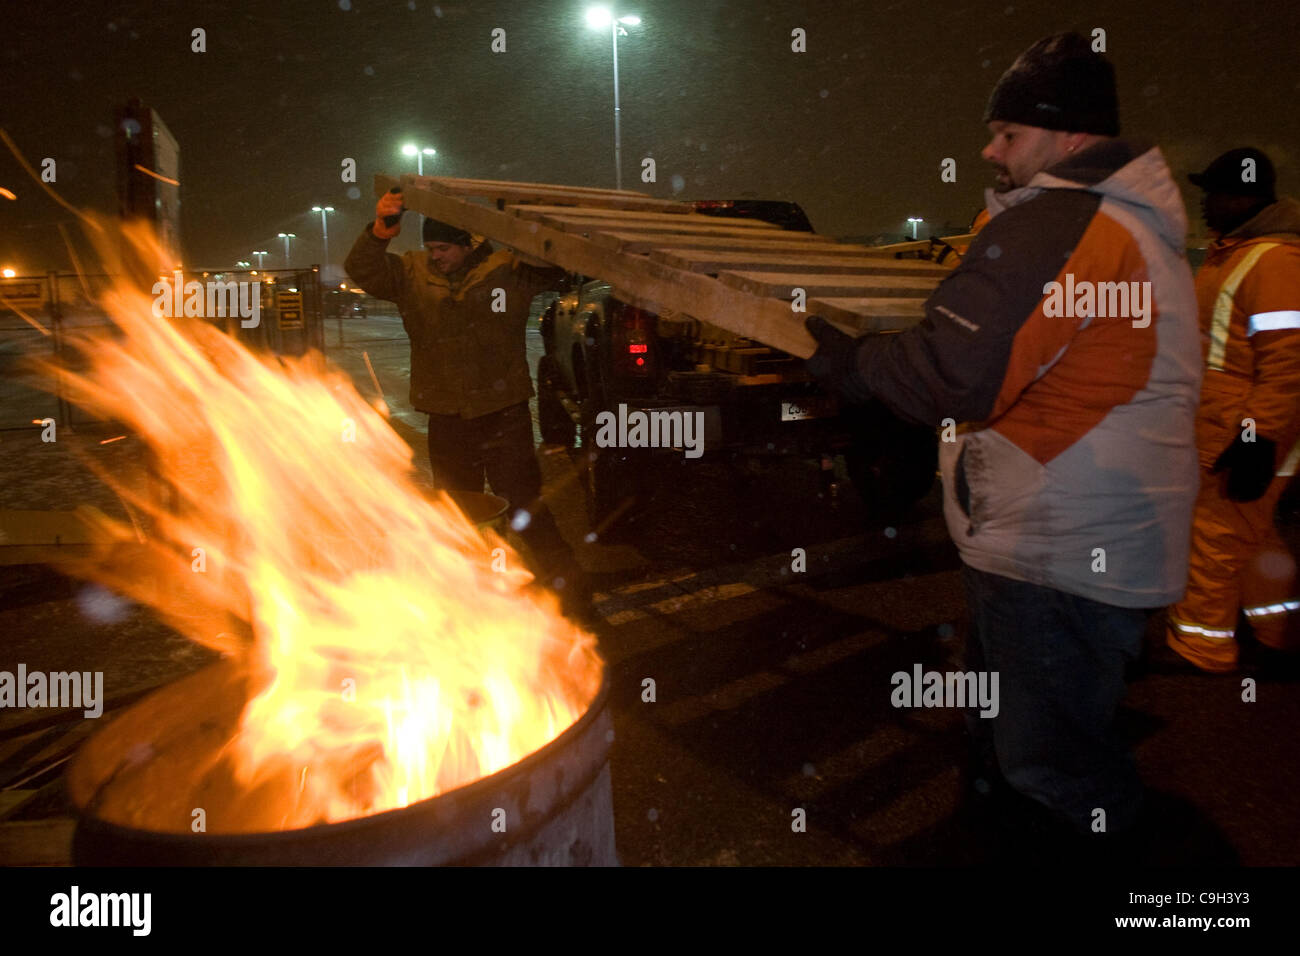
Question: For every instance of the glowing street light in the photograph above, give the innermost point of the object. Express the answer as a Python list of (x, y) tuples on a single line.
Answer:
[(259, 257), (410, 149), (286, 236), (598, 18), (325, 233), (913, 220)]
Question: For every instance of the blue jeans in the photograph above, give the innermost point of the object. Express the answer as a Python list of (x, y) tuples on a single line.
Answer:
[(1060, 660)]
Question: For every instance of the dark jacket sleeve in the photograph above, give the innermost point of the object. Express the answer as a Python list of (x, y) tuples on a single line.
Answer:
[(534, 280), (953, 363), (377, 271)]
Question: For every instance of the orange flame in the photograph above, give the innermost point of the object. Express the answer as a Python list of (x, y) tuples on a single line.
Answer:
[(387, 660)]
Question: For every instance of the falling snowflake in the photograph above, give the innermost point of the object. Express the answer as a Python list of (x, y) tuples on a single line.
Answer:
[(102, 605)]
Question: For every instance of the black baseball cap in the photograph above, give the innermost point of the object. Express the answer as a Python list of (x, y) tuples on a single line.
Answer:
[(1228, 174)]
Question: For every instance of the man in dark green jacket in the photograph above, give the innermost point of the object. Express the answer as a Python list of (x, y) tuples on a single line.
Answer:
[(465, 308)]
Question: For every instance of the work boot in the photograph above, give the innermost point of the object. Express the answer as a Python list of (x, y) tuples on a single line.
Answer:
[(1165, 658), (1272, 664)]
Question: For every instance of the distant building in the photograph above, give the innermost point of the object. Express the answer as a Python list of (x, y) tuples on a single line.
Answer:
[(148, 179)]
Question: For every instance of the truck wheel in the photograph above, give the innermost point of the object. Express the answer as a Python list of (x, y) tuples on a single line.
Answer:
[(892, 464), (608, 476), (552, 417)]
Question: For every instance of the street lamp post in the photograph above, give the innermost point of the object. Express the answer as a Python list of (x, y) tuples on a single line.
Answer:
[(286, 236), (325, 235), (259, 257), (599, 18), (913, 220), (410, 149)]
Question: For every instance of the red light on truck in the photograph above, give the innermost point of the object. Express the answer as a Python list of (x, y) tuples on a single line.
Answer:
[(636, 349)]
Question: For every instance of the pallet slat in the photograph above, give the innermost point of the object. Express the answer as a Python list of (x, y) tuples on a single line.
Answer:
[(780, 284), (859, 315), (626, 217), (841, 264), (537, 211), (629, 241), (535, 192), (705, 226)]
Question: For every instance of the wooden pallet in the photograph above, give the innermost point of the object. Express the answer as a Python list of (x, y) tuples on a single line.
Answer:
[(658, 254)]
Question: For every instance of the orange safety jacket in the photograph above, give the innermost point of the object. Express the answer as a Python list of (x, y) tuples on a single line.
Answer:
[(1248, 291), (1066, 347)]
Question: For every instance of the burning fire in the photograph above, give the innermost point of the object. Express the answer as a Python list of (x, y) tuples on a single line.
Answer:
[(383, 660)]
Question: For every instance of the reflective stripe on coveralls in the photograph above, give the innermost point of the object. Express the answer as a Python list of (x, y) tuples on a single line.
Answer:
[(1223, 306), (1269, 610), (1213, 633), (1272, 321)]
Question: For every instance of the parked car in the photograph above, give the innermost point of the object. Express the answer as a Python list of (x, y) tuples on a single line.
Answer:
[(344, 303)]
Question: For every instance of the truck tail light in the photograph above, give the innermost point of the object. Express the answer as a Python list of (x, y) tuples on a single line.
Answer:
[(632, 335)]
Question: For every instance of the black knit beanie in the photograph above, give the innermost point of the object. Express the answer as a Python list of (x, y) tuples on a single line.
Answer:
[(437, 231), (1058, 83)]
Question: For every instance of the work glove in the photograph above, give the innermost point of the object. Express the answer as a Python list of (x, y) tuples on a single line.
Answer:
[(1250, 466), (388, 214), (834, 366)]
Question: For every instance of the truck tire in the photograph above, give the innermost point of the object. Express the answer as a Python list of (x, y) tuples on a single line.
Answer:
[(552, 417), (609, 478), (891, 463)]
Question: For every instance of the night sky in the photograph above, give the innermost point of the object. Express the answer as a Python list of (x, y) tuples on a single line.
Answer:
[(854, 129)]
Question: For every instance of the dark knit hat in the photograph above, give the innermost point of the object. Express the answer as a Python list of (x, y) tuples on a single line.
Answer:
[(437, 231), (1058, 83), (1227, 174)]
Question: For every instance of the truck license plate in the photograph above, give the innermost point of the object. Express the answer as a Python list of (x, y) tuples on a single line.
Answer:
[(819, 407)]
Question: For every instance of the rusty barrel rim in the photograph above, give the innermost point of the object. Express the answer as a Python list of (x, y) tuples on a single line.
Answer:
[(267, 841)]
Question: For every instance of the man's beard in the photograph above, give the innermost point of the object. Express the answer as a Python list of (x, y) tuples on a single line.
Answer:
[(1002, 181)]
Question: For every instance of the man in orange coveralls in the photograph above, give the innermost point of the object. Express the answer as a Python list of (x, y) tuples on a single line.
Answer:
[(1248, 291)]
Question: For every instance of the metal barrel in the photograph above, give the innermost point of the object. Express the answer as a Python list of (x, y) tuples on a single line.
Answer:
[(552, 808)]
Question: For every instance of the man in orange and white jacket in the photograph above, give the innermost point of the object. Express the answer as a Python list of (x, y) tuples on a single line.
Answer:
[(1248, 291), (1062, 356)]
